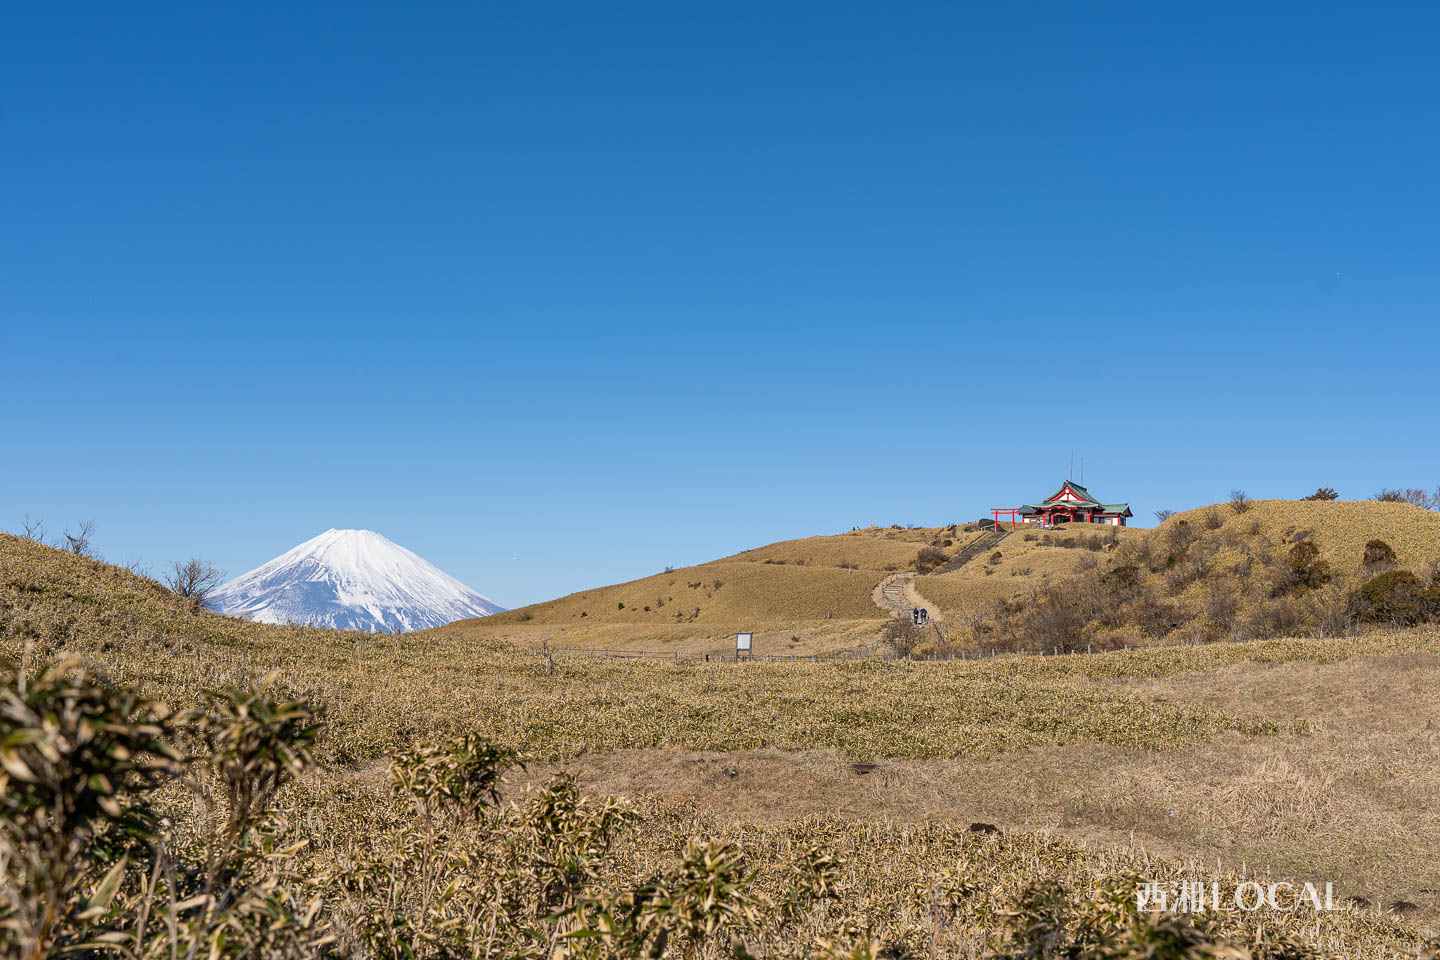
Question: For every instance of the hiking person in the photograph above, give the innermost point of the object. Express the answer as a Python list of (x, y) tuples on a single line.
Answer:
[(915, 616), (924, 615)]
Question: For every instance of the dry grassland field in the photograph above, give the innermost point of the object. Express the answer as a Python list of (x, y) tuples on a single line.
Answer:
[(827, 807)]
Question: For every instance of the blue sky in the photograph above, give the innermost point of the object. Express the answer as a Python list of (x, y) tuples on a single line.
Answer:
[(561, 295)]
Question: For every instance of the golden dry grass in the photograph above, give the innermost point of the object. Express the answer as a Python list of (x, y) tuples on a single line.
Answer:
[(1029, 558), (436, 683), (1340, 528), (805, 596), (1350, 799), (1283, 754), (863, 708)]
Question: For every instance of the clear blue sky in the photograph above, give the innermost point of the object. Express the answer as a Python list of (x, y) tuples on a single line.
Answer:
[(561, 295)]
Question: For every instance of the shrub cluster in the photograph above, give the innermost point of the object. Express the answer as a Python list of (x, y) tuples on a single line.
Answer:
[(928, 559), (88, 861), (1082, 541), (1397, 597), (1200, 582)]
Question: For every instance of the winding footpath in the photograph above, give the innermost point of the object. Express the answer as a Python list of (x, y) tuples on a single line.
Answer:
[(897, 594)]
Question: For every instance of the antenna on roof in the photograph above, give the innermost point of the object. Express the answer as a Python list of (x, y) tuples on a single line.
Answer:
[(1071, 474), (1082, 471)]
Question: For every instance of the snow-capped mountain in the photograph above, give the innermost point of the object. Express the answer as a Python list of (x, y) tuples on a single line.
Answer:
[(351, 580)]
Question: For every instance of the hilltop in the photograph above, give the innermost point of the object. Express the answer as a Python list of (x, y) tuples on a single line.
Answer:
[(1267, 569)]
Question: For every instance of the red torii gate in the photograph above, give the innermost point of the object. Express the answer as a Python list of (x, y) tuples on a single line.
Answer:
[(1014, 514)]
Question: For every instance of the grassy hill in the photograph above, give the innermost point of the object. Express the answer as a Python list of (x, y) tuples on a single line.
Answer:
[(1028, 558), (815, 595), (1339, 528), (806, 596), (1275, 568), (1299, 758)]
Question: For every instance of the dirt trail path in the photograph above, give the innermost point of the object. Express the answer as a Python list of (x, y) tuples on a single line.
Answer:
[(897, 594)]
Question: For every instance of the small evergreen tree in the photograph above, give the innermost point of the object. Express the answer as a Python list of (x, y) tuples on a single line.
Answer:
[(1307, 570), (1377, 553)]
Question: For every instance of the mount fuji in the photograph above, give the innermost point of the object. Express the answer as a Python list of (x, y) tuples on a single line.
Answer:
[(351, 580)]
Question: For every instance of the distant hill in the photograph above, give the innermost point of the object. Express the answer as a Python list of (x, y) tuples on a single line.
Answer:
[(816, 590), (814, 595), (351, 580)]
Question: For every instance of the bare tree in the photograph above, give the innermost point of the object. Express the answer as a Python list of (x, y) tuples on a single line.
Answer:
[(79, 541), (1412, 495), (194, 579), (1239, 501), (33, 529), (1163, 515), (902, 635), (1323, 493)]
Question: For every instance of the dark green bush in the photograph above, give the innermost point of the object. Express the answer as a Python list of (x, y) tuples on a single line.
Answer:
[(1307, 570), (1377, 552), (1395, 596)]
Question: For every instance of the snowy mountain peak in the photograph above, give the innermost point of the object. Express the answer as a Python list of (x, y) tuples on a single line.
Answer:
[(351, 580)]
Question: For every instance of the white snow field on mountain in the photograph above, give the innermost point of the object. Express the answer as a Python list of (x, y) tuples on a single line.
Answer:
[(351, 580)]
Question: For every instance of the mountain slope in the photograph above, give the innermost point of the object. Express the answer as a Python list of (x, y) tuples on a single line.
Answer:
[(814, 595), (351, 580)]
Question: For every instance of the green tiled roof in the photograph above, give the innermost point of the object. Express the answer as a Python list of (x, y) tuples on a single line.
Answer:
[(1088, 501), (1089, 504), (1030, 508)]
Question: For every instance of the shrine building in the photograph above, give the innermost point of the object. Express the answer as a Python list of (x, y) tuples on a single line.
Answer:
[(1071, 504)]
